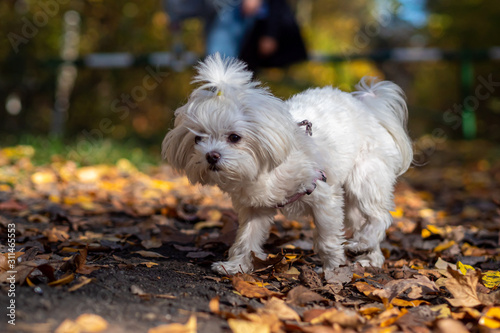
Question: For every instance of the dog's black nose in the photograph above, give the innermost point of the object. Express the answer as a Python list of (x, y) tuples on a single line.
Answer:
[(212, 157)]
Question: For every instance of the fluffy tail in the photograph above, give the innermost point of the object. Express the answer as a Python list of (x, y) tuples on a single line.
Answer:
[(387, 102)]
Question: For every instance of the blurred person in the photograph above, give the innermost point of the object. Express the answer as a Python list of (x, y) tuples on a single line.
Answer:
[(227, 22), (228, 26), (275, 39)]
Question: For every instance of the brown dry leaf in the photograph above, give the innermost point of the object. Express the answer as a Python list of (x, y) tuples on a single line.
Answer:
[(339, 275), (23, 271), (208, 224), (369, 291), (4, 260), (492, 298), (38, 218), (55, 235), (151, 244), (12, 205), (310, 278), (251, 291), (149, 254), (278, 260), (189, 327), (301, 296), (245, 326), (280, 309), (419, 285), (269, 319), (82, 280), (463, 288), (199, 254), (450, 326), (344, 317)]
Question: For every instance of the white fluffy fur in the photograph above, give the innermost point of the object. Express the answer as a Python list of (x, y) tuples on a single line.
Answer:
[(359, 140)]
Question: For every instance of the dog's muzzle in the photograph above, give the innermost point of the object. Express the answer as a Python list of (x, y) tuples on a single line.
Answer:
[(213, 158)]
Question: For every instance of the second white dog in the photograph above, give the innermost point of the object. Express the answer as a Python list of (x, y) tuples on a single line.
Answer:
[(234, 134)]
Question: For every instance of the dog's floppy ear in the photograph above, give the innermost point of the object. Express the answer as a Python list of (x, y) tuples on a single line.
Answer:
[(177, 144), (223, 75)]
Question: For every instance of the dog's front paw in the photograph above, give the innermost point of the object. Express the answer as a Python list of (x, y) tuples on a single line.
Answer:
[(231, 267), (356, 248), (318, 176)]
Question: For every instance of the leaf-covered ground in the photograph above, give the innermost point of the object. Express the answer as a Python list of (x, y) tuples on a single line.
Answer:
[(107, 248)]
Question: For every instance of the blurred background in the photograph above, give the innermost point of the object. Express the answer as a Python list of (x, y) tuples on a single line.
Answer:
[(94, 79)]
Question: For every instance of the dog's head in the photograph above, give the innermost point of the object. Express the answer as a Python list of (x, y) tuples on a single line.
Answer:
[(230, 130)]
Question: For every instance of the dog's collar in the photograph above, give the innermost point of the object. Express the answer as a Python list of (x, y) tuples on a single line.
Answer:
[(299, 195)]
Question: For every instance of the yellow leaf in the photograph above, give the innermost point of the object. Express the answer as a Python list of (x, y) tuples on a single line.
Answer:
[(43, 177), (189, 327), (91, 322), (250, 290), (398, 213), (162, 185), (5, 188), (62, 281), (389, 329), (28, 281), (369, 311), (244, 326), (125, 166), (89, 174), (18, 152), (403, 303), (68, 326), (426, 233), (442, 310), (214, 305), (491, 279), (444, 246), (391, 320), (259, 283), (491, 318), (464, 268), (149, 264), (427, 213), (83, 280)]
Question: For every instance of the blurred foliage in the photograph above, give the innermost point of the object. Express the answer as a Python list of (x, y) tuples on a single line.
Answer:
[(43, 150), (141, 27)]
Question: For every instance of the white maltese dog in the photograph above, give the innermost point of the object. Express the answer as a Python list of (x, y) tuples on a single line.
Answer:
[(266, 154)]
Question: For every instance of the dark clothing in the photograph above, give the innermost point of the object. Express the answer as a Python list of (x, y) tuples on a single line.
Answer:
[(280, 24)]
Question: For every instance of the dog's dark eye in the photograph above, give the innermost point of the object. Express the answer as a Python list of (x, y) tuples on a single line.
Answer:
[(233, 138), (197, 139)]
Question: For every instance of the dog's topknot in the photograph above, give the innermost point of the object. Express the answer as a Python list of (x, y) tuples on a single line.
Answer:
[(223, 75)]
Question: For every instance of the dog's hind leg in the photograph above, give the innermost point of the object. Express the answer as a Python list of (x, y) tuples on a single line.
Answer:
[(369, 189)]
